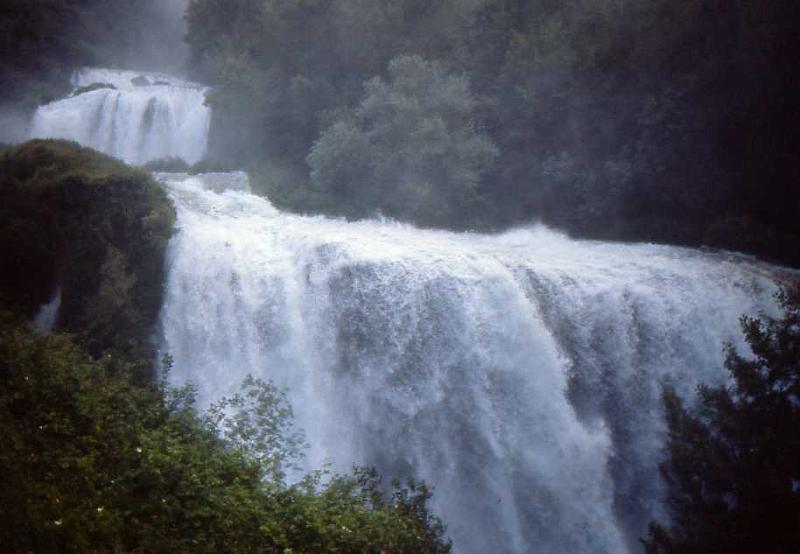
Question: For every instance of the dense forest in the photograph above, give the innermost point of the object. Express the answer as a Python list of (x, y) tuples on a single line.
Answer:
[(665, 121), (44, 41), (662, 121)]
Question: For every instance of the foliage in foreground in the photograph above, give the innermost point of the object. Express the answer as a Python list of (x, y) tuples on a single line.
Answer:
[(93, 462), (734, 465)]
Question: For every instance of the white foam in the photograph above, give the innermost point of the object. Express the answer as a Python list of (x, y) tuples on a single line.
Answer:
[(136, 124), (520, 373)]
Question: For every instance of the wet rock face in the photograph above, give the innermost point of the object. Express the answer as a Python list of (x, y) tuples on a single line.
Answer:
[(91, 88)]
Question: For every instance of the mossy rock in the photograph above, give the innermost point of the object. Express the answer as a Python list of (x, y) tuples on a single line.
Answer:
[(140, 81), (93, 87), (92, 225), (171, 164)]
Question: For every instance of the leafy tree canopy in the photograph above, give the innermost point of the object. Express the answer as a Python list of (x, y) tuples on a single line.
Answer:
[(410, 148), (664, 121)]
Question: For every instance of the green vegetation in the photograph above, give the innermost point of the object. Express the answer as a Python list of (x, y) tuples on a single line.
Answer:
[(93, 87), (666, 120), (77, 219), (170, 164), (409, 149), (97, 455), (93, 462), (43, 41), (175, 164), (734, 465)]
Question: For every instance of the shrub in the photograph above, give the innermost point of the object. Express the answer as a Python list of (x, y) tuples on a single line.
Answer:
[(93, 226), (93, 462), (170, 165)]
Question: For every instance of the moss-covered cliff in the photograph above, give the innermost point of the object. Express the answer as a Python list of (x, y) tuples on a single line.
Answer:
[(98, 229), (94, 461)]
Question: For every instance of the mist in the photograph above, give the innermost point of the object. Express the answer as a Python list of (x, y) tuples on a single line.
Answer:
[(14, 123), (45, 42), (160, 45), (399, 276)]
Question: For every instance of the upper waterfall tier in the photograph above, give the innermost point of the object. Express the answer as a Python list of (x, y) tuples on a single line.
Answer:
[(520, 374), (134, 116)]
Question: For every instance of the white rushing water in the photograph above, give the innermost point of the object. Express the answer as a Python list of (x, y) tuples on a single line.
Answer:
[(145, 116), (520, 374)]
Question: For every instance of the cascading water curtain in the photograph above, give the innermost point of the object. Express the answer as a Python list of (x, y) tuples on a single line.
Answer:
[(519, 374), (136, 117)]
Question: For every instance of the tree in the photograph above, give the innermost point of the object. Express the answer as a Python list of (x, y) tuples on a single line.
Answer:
[(411, 148), (660, 121), (734, 465), (43, 41), (94, 462)]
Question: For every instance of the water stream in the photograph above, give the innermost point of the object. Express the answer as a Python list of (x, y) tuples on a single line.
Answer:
[(138, 117), (520, 374)]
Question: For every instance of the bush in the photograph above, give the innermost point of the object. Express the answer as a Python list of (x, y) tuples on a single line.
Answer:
[(93, 226), (208, 165), (93, 462), (170, 165), (411, 149)]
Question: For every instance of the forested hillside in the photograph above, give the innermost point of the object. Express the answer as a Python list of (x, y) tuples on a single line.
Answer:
[(43, 41), (666, 121)]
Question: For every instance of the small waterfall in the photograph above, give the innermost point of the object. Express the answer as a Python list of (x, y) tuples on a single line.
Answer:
[(520, 374), (46, 317), (137, 117)]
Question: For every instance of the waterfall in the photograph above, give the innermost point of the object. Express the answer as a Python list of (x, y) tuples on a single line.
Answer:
[(47, 315), (136, 117), (520, 374)]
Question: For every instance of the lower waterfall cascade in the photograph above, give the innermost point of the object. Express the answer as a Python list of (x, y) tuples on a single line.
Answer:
[(134, 116), (519, 374)]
